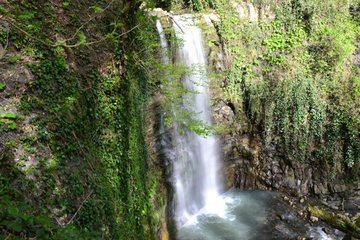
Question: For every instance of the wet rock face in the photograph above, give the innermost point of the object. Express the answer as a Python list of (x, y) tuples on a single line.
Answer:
[(252, 12), (251, 165), (160, 156)]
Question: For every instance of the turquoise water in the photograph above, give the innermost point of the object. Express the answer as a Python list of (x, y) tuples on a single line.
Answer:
[(251, 215)]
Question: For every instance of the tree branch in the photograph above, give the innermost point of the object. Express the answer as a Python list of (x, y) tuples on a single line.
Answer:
[(81, 205), (63, 43)]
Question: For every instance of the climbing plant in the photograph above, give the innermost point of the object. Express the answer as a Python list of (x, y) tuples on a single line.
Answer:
[(88, 174), (294, 79)]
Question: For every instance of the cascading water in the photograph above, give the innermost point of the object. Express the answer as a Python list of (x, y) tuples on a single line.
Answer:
[(196, 175), (163, 43)]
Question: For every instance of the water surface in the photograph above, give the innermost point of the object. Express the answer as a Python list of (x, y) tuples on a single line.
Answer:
[(251, 215)]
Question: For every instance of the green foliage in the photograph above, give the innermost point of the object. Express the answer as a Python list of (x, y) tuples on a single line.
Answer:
[(8, 115), (175, 95), (8, 120), (82, 38), (198, 5), (91, 182), (195, 5), (66, 4), (10, 124), (19, 218), (294, 80), (97, 9), (340, 222), (13, 59)]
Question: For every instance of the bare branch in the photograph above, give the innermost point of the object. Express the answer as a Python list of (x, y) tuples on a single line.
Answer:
[(176, 23), (103, 39), (63, 44), (83, 25), (81, 205)]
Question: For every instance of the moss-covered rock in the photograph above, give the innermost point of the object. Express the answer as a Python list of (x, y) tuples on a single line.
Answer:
[(340, 222)]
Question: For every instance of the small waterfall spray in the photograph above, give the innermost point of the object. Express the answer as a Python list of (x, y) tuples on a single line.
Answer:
[(163, 43)]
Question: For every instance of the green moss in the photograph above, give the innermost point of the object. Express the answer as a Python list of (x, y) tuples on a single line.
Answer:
[(10, 124), (357, 222), (340, 222), (89, 143), (11, 144)]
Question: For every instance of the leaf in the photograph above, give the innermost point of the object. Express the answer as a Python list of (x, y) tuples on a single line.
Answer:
[(97, 9), (14, 211), (15, 226), (66, 4), (9, 123), (3, 10), (8, 115), (82, 38), (12, 126), (26, 16), (2, 86)]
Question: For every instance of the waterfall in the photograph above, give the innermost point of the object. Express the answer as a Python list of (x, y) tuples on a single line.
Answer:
[(164, 46), (196, 177), (196, 168)]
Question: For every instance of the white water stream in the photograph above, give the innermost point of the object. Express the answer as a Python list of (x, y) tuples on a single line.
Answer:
[(163, 43), (196, 170)]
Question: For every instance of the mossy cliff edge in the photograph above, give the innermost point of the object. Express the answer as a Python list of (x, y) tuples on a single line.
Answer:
[(73, 90)]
